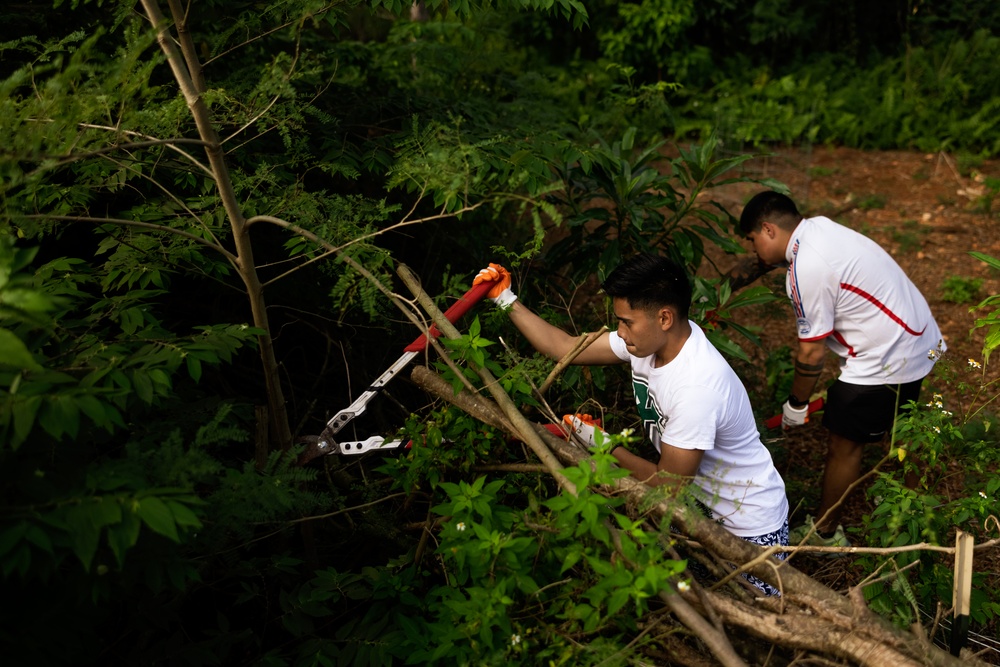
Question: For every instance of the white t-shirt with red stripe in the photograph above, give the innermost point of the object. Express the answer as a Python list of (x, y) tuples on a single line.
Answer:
[(696, 401), (847, 290)]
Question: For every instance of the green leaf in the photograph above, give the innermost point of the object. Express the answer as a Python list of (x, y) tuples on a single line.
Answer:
[(193, 367), (183, 515), (25, 410), (91, 407), (13, 352), (992, 261), (155, 514), (123, 536), (85, 534), (618, 600), (143, 386), (106, 510), (39, 538), (13, 536), (63, 410), (20, 561)]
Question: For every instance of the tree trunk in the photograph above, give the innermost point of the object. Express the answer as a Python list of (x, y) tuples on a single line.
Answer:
[(187, 72)]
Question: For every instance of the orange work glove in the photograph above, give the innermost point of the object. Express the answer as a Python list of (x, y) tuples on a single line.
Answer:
[(501, 293), (584, 427)]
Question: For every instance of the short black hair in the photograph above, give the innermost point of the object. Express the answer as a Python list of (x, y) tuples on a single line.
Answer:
[(769, 206), (650, 282)]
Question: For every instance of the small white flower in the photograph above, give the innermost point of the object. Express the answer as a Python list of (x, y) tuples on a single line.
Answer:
[(975, 364), (936, 429), (460, 526), (627, 431), (938, 397), (683, 586), (946, 413), (515, 640), (930, 404), (932, 354), (938, 404), (985, 497)]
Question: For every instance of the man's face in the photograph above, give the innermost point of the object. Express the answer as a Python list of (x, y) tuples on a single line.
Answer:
[(769, 244), (641, 330)]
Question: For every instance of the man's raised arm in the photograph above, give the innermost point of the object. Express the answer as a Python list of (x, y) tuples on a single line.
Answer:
[(548, 339)]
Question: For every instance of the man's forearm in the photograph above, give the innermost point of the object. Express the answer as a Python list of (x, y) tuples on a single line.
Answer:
[(547, 338), (807, 372), (647, 471)]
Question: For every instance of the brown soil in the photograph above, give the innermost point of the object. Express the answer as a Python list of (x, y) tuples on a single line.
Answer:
[(928, 214)]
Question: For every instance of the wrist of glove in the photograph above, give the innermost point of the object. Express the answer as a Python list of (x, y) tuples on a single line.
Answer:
[(505, 299), (501, 294), (792, 416)]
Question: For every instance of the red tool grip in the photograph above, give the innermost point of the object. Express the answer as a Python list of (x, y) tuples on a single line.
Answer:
[(459, 308), (775, 421)]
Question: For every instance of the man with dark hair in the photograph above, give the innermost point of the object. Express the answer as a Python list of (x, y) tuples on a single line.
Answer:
[(694, 408), (848, 294)]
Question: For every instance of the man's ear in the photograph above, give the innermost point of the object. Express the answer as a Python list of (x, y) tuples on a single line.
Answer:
[(665, 317)]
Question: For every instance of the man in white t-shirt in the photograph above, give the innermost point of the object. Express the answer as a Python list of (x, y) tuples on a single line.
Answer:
[(850, 296), (694, 408)]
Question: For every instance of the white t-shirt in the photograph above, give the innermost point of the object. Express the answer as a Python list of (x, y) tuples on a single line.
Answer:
[(696, 401), (845, 288)]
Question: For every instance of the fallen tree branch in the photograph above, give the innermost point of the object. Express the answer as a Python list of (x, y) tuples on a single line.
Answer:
[(809, 616), (812, 633)]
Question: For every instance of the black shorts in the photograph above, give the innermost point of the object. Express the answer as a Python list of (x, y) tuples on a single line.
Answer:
[(865, 413)]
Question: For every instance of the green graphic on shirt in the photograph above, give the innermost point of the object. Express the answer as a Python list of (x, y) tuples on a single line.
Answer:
[(647, 409)]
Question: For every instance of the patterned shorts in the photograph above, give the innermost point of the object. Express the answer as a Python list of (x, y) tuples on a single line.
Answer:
[(777, 538)]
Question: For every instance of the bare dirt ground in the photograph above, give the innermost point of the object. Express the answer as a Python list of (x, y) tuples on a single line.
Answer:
[(927, 211)]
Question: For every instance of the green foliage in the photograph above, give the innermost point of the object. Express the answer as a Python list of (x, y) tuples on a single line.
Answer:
[(713, 303), (134, 520), (989, 321), (567, 9), (931, 442), (870, 202), (74, 354), (933, 97), (248, 497), (958, 289), (780, 372), (646, 35), (640, 205), (495, 610), (911, 236), (991, 190)]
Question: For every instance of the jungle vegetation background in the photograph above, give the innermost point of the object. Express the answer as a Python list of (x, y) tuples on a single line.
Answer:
[(198, 269)]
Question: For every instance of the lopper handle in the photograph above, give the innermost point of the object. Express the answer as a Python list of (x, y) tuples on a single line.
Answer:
[(775, 421), (459, 308)]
